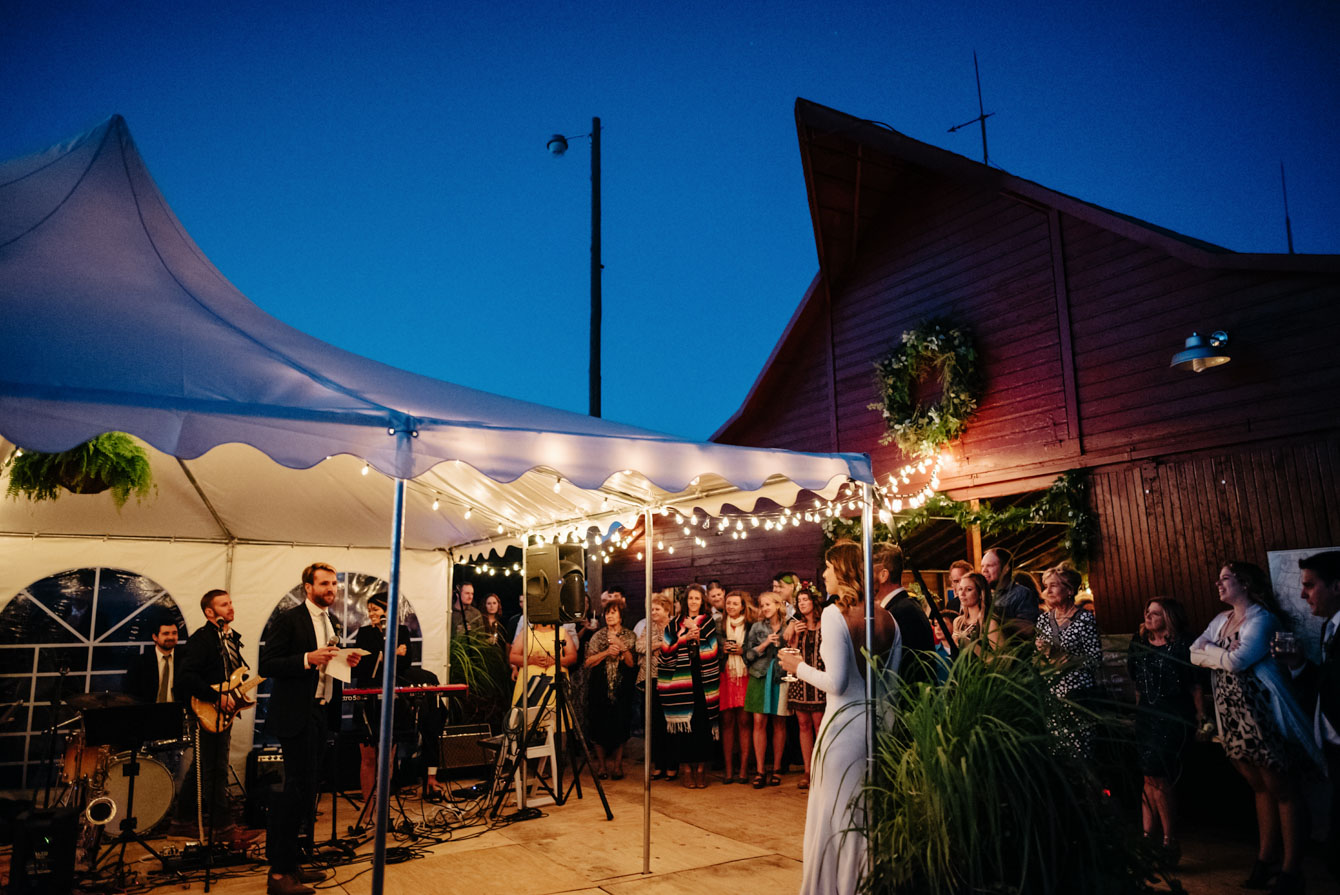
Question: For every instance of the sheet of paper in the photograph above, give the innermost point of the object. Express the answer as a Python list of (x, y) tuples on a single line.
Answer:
[(338, 667)]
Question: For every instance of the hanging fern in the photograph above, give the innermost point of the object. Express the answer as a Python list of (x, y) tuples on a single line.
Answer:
[(112, 461)]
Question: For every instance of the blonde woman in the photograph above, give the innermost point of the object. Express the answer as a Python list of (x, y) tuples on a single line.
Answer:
[(735, 723), (662, 755), (764, 698), (975, 620), (1069, 636)]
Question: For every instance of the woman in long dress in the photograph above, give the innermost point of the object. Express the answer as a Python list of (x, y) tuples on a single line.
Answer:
[(835, 844)]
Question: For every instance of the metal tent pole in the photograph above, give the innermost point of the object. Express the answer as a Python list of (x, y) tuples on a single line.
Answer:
[(646, 710), (384, 742), (868, 573)]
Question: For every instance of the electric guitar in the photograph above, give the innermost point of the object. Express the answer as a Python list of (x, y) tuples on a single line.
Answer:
[(209, 715)]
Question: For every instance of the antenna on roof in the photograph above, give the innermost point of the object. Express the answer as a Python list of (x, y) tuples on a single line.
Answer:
[(982, 114), (1288, 226)]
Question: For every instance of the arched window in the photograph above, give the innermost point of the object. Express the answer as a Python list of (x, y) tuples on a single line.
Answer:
[(74, 632), (350, 612)]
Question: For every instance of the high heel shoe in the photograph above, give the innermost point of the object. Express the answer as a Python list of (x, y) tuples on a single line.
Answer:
[(1261, 875)]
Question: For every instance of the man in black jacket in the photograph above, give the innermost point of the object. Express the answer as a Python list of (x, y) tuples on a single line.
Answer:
[(209, 657), (304, 708), (1321, 589), (150, 676), (915, 629)]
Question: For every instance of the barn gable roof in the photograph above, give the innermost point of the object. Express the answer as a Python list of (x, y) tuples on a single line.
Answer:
[(857, 171)]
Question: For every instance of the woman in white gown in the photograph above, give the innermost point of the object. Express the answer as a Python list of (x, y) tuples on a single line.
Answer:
[(835, 846)]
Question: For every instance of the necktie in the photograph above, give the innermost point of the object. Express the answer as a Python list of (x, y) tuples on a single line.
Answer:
[(230, 647), (325, 684), (164, 678)]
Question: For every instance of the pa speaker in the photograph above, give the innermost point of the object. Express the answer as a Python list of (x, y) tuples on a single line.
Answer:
[(542, 584), (572, 589), (43, 858)]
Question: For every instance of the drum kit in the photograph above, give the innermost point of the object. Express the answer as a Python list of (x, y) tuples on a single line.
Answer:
[(107, 772)]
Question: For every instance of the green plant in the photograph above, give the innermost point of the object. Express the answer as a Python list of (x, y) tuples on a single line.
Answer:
[(969, 795), (112, 461), (921, 429), (479, 663)]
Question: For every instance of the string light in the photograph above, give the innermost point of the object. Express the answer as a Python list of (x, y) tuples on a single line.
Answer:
[(364, 470), (437, 503), (468, 511)]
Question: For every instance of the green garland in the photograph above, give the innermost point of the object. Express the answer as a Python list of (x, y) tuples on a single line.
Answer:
[(111, 461), (922, 429), (1066, 500)]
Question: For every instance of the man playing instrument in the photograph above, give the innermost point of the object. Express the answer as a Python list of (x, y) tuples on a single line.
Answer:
[(210, 657)]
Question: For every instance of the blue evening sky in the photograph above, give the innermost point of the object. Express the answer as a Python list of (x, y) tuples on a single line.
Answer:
[(376, 174)]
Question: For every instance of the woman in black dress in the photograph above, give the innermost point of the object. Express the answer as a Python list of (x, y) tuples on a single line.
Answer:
[(1159, 662), (609, 663)]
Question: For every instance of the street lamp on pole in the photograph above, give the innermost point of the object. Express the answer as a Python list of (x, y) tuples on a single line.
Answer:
[(558, 144)]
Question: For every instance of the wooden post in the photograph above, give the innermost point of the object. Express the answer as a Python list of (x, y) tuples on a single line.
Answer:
[(975, 537)]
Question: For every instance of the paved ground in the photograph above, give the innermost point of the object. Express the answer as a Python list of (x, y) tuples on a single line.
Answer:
[(724, 839)]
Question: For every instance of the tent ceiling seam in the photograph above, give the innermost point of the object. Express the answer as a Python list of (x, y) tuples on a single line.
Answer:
[(218, 520)]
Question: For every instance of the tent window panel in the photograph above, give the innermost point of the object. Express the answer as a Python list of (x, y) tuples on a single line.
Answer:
[(24, 621), (124, 595), (114, 658), (69, 596), (16, 660), (13, 748), (11, 778), (114, 682), (54, 659)]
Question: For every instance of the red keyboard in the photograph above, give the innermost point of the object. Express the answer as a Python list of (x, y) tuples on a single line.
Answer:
[(407, 691)]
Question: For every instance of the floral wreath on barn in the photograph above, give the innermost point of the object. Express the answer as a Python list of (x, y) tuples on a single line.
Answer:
[(921, 429)]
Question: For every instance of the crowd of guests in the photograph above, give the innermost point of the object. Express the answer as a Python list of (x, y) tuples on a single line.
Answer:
[(721, 693)]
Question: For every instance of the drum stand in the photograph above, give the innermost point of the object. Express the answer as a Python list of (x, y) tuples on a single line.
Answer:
[(129, 832)]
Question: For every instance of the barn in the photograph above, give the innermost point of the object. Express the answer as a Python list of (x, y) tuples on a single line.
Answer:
[(1076, 312)]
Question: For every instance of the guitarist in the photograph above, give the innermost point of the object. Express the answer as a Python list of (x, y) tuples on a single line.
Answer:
[(210, 656)]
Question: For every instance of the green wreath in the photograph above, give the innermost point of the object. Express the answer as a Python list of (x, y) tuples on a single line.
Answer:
[(921, 429)]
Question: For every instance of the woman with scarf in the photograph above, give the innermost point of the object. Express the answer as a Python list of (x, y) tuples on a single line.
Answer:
[(609, 661), (735, 724), (687, 684)]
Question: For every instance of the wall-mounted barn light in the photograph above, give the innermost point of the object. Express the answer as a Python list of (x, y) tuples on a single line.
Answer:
[(1201, 353)]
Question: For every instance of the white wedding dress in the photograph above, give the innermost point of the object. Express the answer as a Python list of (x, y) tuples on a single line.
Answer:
[(835, 846)]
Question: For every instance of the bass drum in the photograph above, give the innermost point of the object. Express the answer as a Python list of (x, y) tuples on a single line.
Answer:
[(154, 793)]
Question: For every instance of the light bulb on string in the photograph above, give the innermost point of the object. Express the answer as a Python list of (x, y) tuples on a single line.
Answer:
[(468, 511), (670, 550), (364, 470), (436, 503)]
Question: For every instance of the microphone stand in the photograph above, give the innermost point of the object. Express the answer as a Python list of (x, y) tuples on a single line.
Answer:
[(199, 766)]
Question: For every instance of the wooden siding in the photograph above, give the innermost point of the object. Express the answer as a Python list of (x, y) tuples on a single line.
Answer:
[(1168, 526)]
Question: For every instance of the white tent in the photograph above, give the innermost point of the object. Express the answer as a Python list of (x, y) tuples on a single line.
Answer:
[(113, 319)]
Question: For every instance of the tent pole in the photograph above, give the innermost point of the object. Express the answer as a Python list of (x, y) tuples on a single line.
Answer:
[(868, 575), (523, 744), (646, 710), (451, 589), (385, 744), (228, 567)]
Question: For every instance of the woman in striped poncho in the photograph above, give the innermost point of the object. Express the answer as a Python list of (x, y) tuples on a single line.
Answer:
[(687, 679)]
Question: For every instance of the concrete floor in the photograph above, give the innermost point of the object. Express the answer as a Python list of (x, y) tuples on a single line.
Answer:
[(724, 839)]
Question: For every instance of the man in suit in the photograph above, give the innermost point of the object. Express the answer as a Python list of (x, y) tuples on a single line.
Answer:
[(209, 657), (915, 628), (150, 676), (1321, 590), (304, 708)]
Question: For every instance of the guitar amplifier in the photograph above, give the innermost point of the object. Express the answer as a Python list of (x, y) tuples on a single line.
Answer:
[(43, 857), (461, 746), (265, 784)]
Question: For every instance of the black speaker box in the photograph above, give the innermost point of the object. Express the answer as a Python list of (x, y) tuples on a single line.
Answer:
[(43, 857), (461, 746), (265, 784), (555, 583)]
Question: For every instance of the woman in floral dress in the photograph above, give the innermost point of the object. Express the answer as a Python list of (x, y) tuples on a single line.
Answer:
[(805, 700)]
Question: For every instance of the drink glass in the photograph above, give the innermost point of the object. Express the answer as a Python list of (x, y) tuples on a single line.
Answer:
[(1285, 645), (789, 677)]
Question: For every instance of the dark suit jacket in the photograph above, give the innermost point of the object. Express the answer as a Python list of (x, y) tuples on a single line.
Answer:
[(918, 638), (142, 676), (1322, 683), (368, 672), (293, 687), (200, 665)]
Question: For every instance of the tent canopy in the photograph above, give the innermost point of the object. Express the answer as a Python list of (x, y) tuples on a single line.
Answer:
[(115, 320)]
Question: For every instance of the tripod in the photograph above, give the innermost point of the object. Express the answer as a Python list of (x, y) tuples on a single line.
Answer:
[(562, 748), (130, 726)]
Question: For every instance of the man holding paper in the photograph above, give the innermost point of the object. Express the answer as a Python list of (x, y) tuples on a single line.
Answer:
[(302, 657)]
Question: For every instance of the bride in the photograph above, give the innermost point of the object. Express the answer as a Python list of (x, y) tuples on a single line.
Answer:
[(835, 846)]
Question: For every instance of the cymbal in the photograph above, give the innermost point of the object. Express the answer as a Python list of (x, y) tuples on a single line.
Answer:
[(104, 699)]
